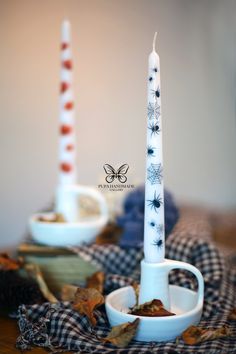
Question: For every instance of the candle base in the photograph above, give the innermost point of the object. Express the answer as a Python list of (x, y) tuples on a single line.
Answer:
[(64, 234), (74, 231), (186, 304), (154, 283), (67, 202)]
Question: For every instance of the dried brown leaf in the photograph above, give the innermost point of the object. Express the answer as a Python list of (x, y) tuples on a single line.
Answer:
[(136, 291), (110, 234), (194, 335), (34, 271), (232, 315), (152, 308), (121, 335), (57, 217), (96, 281), (68, 292), (86, 301), (7, 263)]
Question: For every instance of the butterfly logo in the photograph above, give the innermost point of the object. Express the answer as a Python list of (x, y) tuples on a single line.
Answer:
[(112, 173)]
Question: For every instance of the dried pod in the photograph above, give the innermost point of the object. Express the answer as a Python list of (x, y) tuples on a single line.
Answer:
[(96, 281), (121, 335), (136, 288), (194, 335), (232, 315), (55, 217), (86, 301), (7, 263), (110, 235), (68, 292), (152, 308)]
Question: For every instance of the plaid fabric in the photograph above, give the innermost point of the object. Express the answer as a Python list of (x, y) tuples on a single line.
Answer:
[(59, 328)]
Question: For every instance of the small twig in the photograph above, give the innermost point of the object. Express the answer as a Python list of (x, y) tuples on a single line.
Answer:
[(34, 271)]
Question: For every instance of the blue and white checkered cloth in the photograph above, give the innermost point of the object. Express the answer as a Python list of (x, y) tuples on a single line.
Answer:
[(59, 328)]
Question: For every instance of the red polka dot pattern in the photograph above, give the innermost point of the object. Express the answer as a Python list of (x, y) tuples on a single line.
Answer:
[(70, 147), (66, 129), (64, 46), (65, 167), (69, 105), (64, 86), (67, 64)]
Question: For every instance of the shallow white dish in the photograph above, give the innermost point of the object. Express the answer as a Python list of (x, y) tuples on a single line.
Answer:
[(66, 233), (186, 303)]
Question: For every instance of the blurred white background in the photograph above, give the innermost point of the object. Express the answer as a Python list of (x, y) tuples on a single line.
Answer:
[(111, 43)]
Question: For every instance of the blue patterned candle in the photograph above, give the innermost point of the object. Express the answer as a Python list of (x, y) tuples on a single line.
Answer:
[(154, 237)]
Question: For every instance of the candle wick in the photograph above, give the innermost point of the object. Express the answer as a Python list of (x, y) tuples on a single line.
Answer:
[(154, 41)]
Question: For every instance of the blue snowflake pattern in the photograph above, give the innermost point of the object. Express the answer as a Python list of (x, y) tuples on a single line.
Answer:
[(153, 110), (160, 229), (154, 173)]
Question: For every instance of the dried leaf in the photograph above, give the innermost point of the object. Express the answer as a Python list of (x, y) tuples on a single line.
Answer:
[(96, 281), (110, 235), (68, 292), (152, 308), (51, 218), (194, 335), (86, 301), (232, 315), (7, 263), (34, 271), (136, 291), (121, 335)]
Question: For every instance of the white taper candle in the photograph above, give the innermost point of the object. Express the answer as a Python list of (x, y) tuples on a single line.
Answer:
[(67, 157), (154, 227)]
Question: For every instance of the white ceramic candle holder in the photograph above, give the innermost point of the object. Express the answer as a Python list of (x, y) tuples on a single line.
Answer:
[(185, 303), (76, 230)]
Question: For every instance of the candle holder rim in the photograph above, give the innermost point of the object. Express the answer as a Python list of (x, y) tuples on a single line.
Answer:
[(151, 318), (81, 223)]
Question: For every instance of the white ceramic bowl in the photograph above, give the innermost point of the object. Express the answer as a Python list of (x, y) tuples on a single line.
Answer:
[(185, 303), (75, 231), (66, 233)]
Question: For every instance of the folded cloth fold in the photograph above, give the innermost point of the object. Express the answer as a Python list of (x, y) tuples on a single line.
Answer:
[(58, 327)]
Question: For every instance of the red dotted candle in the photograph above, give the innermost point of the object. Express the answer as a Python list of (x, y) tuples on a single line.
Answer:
[(67, 168)]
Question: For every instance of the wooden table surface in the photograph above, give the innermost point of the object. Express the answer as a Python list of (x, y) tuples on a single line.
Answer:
[(8, 334)]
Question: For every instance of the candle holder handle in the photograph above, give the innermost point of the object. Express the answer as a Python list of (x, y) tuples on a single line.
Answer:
[(155, 282), (67, 201), (189, 267)]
